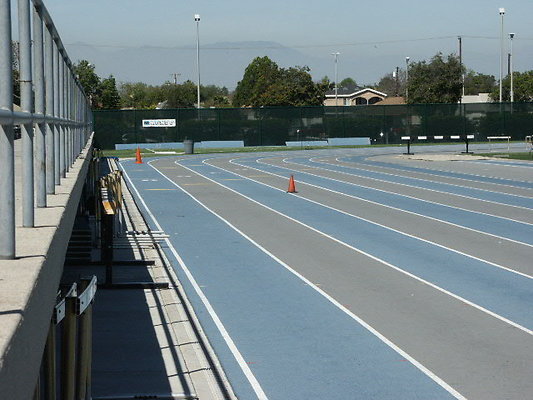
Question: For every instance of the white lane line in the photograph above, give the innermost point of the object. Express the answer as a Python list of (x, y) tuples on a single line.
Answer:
[(220, 326), (313, 160), (413, 197), (497, 163), (450, 172), (389, 168), (376, 333), (402, 210), (381, 225), (491, 313)]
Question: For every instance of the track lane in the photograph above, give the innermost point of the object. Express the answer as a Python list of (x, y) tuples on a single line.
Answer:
[(276, 226), (483, 222), (448, 189), (273, 317)]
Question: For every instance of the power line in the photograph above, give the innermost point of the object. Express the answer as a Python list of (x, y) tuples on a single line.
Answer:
[(278, 47)]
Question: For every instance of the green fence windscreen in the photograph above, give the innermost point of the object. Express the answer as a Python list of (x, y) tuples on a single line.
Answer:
[(274, 126)]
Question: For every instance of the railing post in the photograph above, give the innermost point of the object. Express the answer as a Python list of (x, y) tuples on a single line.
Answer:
[(40, 128), (49, 96), (68, 351), (26, 104), (62, 127), (7, 151), (57, 126), (84, 309)]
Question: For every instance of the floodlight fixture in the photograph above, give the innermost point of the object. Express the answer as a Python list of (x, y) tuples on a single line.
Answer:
[(502, 10), (197, 17)]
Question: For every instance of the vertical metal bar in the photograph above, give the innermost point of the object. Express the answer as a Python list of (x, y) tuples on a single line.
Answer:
[(84, 360), (7, 151), (49, 99), (57, 173), (26, 104), (49, 364), (71, 127), (40, 128), (62, 115), (68, 352)]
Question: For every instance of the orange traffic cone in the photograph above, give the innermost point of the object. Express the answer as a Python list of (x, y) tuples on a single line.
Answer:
[(139, 159), (292, 187)]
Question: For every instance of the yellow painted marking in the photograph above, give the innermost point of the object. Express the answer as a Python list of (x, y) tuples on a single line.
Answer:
[(167, 167), (160, 189), (200, 165), (196, 184), (307, 169), (232, 179)]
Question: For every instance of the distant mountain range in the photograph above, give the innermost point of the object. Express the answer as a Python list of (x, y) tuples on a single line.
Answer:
[(222, 64)]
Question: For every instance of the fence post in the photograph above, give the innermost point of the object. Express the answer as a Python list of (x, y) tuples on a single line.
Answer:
[(68, 351), (7, 151), (84, 310)]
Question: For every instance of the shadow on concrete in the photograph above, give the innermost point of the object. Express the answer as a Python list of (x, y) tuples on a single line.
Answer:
[(127, 358)]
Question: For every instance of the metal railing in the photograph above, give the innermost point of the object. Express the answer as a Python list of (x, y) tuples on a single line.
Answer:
[(73, 315), (55, 116)]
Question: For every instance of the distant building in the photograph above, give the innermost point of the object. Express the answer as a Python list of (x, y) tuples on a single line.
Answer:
[(477, 98), (353, 96)]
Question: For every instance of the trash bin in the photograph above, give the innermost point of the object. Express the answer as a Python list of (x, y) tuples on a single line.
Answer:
[(188, 146)]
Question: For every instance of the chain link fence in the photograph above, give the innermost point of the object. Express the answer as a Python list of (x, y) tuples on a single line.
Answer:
[(277, 125)]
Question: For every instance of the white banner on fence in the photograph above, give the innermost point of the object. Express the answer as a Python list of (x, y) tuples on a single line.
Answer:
[(159, 123)]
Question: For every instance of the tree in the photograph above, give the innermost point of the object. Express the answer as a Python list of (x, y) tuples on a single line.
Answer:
[(348, 83), (16, 74), (109, 97), (392, 85), (522, 87), (439, 81), (139, 95), (89, 80), (260, 74), (178, 96), (476, 83), (265, 84)]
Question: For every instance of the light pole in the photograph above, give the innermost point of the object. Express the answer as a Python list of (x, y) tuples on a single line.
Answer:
[(502, 13), (336, 55), (406, 79), (511, 36), (461, 65), (197, 19)]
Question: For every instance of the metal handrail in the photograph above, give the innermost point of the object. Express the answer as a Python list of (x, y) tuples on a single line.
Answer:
[(55, 116)]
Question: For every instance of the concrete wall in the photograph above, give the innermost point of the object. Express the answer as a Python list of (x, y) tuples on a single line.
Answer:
[(29, 284)]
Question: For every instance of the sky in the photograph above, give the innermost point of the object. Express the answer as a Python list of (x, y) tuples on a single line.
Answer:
[(373, 37)]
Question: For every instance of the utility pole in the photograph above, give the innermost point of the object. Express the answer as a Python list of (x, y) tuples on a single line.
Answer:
[(175, 77)]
